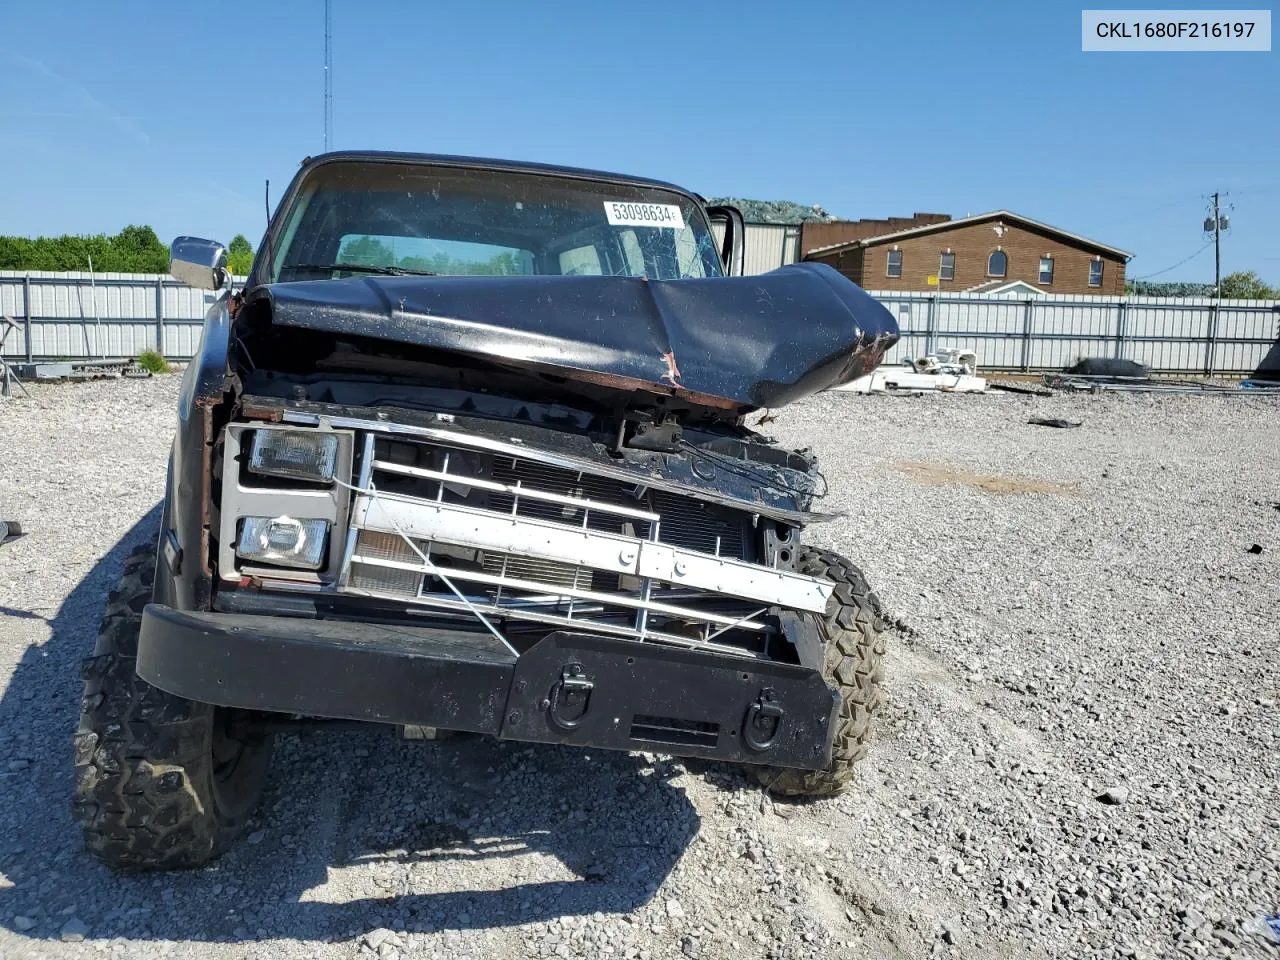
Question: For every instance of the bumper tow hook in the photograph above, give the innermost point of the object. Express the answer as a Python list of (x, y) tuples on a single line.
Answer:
[(763, 722), (570, 698)]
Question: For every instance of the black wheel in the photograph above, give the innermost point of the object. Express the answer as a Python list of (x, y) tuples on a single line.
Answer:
[(161, 782), (851, 629)]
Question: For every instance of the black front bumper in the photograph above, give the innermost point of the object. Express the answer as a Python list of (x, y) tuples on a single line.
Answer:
[(569, 688)]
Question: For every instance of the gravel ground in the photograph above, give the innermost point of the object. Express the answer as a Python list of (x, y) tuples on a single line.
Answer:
[(1079, 756)]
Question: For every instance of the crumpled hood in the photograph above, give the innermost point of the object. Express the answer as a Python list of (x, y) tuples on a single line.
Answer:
[(759, 341)]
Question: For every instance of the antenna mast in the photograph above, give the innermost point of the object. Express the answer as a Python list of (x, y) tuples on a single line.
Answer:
[(328, 72)]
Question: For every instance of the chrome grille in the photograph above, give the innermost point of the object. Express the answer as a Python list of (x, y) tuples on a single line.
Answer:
[(549, 479), (385, 579), (508, 538), (689, 523), (701, 526), (550, 572)]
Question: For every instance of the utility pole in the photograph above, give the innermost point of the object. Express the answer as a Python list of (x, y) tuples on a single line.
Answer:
[(1217, 247), (328, 72), (1215, 225)]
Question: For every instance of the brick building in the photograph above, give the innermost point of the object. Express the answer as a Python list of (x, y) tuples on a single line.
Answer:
[(835, 232), (976, 253)]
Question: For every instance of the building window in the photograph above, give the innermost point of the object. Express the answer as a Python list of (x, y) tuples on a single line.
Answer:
[(1095, 273), (997, 264), (947, 267), (1046, 269), (893, 267)]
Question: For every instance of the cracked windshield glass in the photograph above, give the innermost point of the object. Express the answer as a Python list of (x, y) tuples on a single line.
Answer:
[(394, 218)]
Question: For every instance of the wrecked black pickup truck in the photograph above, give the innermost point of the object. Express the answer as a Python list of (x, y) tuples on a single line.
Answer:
[(470, 452)]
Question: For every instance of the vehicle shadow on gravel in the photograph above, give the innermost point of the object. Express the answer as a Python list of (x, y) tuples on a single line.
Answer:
[(357, 830)]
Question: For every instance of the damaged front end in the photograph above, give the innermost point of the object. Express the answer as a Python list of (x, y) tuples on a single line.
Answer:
[(535, 570), (495, 523), (527, 506), (445, 570)]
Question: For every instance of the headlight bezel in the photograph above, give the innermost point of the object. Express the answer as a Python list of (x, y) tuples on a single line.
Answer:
[(244, 494)]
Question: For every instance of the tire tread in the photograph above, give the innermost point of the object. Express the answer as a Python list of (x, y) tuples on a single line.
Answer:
[(853, 629), (143, 759)]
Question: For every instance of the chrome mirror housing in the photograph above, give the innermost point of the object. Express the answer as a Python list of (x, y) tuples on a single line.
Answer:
[(199, 263)]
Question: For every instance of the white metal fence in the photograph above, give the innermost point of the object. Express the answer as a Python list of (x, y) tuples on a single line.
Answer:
[(1187, 335), (77, 316), (74, 316)]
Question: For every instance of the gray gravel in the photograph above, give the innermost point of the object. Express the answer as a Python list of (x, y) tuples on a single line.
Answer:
[(1079, 757)]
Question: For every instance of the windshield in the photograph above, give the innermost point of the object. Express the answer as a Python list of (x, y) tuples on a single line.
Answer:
[(368, 217)]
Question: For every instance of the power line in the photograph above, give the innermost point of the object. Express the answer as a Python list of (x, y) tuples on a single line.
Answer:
[(1257, 192), (1176, 265), (1143, 212)]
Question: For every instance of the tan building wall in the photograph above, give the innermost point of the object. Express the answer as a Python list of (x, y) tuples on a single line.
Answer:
[(972, 245)]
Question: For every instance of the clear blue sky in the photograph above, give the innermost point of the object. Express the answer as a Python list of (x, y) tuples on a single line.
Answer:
[(173, 114)]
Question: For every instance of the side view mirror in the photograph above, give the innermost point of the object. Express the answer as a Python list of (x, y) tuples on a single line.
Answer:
[(199, 263), (733, 249)]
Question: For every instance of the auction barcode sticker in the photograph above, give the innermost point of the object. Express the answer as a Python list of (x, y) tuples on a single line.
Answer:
[(1130, 31), (624, 213)]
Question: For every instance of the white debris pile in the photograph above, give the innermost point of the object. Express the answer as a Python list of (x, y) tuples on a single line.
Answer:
[(950, 370)]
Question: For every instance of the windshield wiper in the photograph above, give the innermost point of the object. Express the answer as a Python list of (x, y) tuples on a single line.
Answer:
[(363, 268)]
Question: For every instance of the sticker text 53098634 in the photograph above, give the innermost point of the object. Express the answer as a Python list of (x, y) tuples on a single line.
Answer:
[(624, 213)]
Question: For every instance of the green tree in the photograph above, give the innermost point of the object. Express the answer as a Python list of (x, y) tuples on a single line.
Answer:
[(1149, 288), (1247, 285), (367, 252), (134, 249), (499, 265), (239, 255)]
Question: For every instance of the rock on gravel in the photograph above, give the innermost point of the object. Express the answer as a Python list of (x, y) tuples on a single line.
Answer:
[(1070, 613), (1114, 796), (73, 931)]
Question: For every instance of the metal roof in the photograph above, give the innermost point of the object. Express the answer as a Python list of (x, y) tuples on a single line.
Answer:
[(965, 221), (449, 160)]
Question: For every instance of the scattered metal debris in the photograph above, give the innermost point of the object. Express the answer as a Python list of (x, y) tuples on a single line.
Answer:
[(1096, 374), (1100, 384), (1109, 367), (950, 360), (947, 371), (1019, 388), (1055, 422), (8, 379), (49, 371)]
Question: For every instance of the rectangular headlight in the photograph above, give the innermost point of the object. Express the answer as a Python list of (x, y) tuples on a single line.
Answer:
[(283, 541), (297, 454)]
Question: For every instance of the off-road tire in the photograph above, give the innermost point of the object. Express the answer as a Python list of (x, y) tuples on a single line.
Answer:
[(160, 781), (851, 629)]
